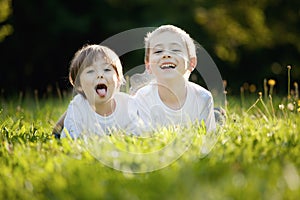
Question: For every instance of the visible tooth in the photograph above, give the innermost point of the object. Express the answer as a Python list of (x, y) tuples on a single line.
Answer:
[(168, 65)]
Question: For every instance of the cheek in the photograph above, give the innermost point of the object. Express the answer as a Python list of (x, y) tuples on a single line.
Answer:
[(81, 81), (84, 81), (153, 58), (183, 56), (113, 79)]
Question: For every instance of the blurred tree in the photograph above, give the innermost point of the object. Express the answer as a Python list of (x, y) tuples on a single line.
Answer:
[(250, 36), (248, 39), (241, 24), (5, 11)]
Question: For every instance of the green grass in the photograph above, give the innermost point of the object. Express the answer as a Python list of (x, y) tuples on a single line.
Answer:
[(256, 156)]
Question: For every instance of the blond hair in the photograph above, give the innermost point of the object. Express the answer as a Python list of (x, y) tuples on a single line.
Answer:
[(189, 42), (85, 57)]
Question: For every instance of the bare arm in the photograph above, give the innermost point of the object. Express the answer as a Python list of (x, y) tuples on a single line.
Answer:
[(59, 126)]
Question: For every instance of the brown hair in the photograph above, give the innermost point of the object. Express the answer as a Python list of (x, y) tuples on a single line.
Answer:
[(85, 56)]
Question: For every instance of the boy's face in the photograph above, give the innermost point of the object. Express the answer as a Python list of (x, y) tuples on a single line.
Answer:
[(99, 81), (168, 56)]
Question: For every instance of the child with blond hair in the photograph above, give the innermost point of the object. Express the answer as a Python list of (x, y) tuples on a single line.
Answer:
[(98, 107), (170, 56)]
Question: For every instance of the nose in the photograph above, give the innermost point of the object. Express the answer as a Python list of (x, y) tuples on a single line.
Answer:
[(100, 75), (167, 53)]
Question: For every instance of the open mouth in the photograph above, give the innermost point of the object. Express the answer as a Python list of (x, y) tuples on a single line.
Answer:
[(168, 66), (101, 90)]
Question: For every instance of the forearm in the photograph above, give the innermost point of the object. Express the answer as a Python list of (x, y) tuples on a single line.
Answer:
[(59, 126)]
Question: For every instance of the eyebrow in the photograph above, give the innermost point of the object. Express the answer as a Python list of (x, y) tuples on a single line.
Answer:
[(172, 43), (105, 65)]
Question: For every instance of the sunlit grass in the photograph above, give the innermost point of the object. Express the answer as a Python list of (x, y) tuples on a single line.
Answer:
[(256, 156)]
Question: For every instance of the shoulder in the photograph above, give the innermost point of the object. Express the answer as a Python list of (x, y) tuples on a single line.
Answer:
[(121, 96), (78, 100), (146, 90), (199, 91), (79, 104), (122, 99)]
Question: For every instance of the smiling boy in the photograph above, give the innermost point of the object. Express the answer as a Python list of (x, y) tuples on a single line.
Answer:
[(171, 99)]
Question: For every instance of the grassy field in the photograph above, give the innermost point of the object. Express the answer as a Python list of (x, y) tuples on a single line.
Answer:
[(256, 155)]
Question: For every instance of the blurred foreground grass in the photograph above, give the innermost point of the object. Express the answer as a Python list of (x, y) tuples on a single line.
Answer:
[(256, 156)]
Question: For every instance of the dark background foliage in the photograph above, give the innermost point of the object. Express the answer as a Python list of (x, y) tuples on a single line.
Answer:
[(249, 40)]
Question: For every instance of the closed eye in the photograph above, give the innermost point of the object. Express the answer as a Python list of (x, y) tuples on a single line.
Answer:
[(90, 71), (157, 51), (176, 50), (107, 70)]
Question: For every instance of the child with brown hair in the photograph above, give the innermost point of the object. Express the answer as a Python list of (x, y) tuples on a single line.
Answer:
[(98, 107)]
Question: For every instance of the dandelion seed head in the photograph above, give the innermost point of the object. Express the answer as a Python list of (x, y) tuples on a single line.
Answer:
[(290, 106), (281, 106), (289, 67)]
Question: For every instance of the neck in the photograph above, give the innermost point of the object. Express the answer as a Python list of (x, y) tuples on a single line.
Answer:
[(106, 108), (173, 93)]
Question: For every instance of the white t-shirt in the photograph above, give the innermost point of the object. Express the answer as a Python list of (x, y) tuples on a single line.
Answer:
[(197, 106), (82, 120)]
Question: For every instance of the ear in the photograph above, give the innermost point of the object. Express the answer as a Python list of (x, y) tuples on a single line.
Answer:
[(147, 66), (192, 63)]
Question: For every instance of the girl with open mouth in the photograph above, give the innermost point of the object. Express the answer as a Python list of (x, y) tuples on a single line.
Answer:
[(98, 107)]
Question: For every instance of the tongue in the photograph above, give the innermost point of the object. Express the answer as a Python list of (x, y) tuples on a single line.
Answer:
[(101, 92)]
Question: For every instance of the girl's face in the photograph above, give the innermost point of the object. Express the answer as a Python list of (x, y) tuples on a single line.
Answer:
[(99, 81), (168, 56)]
